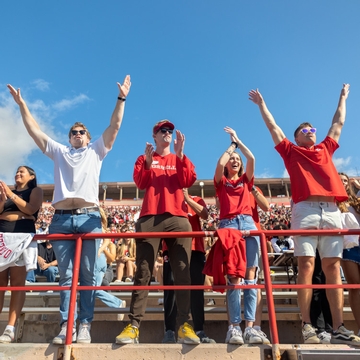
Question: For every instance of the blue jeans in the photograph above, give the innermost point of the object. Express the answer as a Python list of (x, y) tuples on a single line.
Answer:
[(50, 273), (108, 299), (233, 297), (65, 251)]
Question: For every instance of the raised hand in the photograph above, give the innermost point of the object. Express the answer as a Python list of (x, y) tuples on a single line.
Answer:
[(345, 90), (232, 133), (149, 152), (3, 196), (179, 143), (16, 94), (125, 87), (255, 96)]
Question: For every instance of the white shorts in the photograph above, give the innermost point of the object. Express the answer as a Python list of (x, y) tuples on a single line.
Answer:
[(308, 215)]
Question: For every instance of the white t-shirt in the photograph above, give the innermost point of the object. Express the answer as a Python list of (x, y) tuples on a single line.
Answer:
[(76, 173)]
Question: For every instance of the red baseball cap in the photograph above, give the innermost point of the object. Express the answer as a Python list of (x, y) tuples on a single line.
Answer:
[(163, 123)]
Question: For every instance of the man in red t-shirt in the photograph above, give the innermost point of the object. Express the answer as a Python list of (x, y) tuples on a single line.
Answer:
[(315, 187), (162, 175)]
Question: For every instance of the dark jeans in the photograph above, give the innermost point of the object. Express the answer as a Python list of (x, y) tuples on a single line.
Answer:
[(320, 313), (197, 263), (146, 252)]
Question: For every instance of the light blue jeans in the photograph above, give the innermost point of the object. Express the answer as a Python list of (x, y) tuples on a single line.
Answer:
[(65, 251), (233, 297), (108, 299)]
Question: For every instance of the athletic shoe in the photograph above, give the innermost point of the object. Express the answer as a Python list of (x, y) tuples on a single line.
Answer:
[(60, 339), (211, 302), (8, 336), (262, 336), (161, 301), (186, 335), (344, 336), (251, 336), (204, 339), (169, 337), (128, 280), (234, 336), (309, 334), (120, 317), (84, 334), (130, 335), (324, 337)]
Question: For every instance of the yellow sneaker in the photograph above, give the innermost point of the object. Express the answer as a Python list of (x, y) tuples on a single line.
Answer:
[(186, 335), (130, 335)]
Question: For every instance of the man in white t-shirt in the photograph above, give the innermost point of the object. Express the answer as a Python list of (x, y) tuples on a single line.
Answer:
[(76, 186)]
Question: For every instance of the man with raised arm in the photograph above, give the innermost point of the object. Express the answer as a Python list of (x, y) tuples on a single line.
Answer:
[(163, 175), (315, 187), (76, 186)]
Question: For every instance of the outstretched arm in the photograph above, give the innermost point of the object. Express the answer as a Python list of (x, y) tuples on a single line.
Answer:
[(275, 131), (340, 113), (112, 130), (30, 123)]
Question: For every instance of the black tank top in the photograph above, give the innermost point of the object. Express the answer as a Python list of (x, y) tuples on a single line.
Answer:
[(11, 206)]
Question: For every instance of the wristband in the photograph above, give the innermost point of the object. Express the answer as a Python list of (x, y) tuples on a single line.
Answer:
[(13, 197), (121, 98), (234, 143)]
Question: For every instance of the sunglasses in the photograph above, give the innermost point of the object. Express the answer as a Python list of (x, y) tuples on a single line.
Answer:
[(306, 131), (75, 132), (165, 130)]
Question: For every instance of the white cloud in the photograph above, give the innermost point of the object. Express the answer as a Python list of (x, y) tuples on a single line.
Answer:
[(265, 174), (341, 163), (285, 174), (16, 145), (41, 84), (66, 104)]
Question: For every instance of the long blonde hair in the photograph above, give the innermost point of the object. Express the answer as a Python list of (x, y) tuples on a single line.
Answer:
[(131, 247)]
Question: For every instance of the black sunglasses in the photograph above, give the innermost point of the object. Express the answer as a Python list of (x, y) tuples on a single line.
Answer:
[(75, 132), (164, 130)]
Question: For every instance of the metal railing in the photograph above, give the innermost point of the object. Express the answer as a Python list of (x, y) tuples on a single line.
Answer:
[(268, 286)]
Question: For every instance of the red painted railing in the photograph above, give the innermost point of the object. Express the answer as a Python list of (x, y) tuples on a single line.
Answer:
[(267, 280)]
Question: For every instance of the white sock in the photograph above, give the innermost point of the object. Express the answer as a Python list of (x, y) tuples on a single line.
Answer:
[(230, 327), (10, 327), (257, 327)]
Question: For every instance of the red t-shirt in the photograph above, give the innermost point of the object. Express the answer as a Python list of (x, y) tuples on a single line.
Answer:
[(253, 204), (234, 196), (312, 171), (163, 184), (194, 219)]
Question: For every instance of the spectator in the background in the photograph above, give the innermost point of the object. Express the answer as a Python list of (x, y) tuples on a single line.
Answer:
[(125, 258), (196, 209), (47, 263)]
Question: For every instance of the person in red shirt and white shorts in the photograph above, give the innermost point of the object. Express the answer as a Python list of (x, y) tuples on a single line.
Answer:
[(315, 188)]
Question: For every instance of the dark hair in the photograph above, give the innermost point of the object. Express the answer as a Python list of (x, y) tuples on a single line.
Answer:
[(31, 183), (301, 126), (241, 170), (80, 124)]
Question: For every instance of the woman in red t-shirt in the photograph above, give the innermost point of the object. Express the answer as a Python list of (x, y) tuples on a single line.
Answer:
[(233, 187)]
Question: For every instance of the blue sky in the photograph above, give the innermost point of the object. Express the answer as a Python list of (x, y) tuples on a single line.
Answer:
[(192, 62)]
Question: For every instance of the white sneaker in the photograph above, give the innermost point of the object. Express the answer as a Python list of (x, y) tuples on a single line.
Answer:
[(262, 336), (251, 336), (60, 339), (120, 317), (7, 337), (324, 337), (84, 334), (128, 280), (234, 336), (309, 334), (160, 301)]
